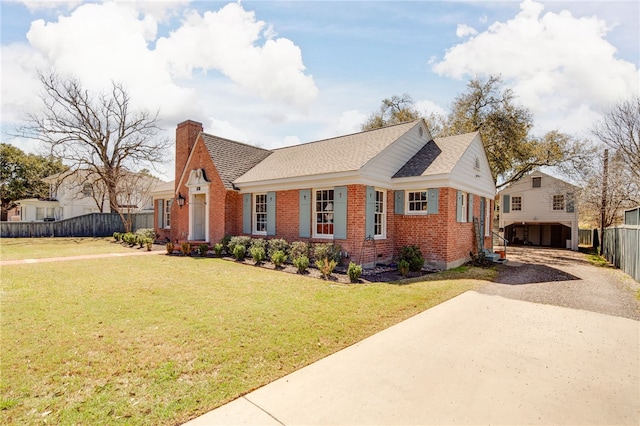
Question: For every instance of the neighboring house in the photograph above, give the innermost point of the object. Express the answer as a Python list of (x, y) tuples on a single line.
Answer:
[(370, 192), (76, 194), (539, 210), (163, 196)]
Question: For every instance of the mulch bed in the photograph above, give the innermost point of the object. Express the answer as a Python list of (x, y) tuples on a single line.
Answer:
[(380, 273)]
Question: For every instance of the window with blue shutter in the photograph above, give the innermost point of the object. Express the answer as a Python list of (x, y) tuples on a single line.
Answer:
[(160, 214), (506, 203), (470, 209), (370, 212), (340, 213), (271, 213), (246, 213), (398, 207), (304, 210), (433, 203)]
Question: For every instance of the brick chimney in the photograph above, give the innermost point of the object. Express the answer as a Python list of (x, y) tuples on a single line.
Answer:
[(186, 135)]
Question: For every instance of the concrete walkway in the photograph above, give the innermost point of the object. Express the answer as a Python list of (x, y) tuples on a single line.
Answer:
[(87, 256), (476, 359)]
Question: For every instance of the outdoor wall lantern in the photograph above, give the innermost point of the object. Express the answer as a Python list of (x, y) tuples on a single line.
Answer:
[(180, 200)]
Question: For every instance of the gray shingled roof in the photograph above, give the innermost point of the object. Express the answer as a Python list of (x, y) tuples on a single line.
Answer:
[(232, 159), (437, 157), (340, 154)]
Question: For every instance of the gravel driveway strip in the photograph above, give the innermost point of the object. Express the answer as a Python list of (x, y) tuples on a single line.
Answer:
[(565, 278)]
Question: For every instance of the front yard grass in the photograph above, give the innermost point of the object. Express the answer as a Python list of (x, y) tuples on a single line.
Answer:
[(39, 248), (161, 340)]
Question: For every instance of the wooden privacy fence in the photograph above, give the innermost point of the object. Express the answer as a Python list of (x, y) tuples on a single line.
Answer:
[(89, 225), (585, 237), (621, 245)]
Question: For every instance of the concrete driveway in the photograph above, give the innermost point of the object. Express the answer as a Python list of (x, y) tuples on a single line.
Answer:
[(476, 359)]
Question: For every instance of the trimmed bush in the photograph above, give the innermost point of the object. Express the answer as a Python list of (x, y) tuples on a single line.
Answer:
[(327, 251), (403, 267), (258, 242), (217, 249), (203, 249), (225, 243), (257, 253), (146, 233), (239, 251), (354, 272), (236, 241), (148, 243), (301, 263), (278, 257), (299, 248), (170, 247), (326, 266), (185, 248), (413, 256), (278, 244), (117, 236)]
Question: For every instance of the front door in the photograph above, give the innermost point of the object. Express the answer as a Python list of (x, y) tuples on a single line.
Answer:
[(199, 216)]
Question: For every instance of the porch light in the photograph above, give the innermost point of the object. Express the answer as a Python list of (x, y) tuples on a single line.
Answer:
[(180, 200)]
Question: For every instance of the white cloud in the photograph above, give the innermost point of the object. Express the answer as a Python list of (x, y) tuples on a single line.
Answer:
[(350, 122), (36, 5), (464, 30), (556, 63), (227, 41), (426, 107)]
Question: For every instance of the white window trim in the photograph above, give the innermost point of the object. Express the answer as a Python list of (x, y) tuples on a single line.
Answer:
[(415, 212), (166, 224), (254, 227), (383, 235), (465, 203), (553, 203), (512, 203), (314, 222)]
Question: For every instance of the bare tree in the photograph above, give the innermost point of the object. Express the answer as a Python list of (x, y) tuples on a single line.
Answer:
[(394, 110), (620, 130), (96, 132)]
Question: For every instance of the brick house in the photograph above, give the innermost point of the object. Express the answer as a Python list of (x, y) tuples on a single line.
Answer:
[(370, 192)]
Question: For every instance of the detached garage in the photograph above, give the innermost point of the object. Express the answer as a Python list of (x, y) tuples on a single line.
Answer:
[(539, 210)]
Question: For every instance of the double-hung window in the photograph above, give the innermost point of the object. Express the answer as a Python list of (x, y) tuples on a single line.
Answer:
[(417, 202), (516, 203), (260, 214), (558, 202), (379, 216), (323, 212), (167, 212)]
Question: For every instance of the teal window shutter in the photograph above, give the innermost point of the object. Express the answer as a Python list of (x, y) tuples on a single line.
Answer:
[(459, 202), (506, 203), (571, 205), (160, 213), (340, 212), (271, 213), (470, 209), (304, 213), (246, 213), (398, 207), (432, 201), (370, 211)]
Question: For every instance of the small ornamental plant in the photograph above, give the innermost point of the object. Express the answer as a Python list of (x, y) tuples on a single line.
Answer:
[(203, 249), (185, 248), (217, 249), (170, 247), (278, 258), (257, 253), (301, 263), (354, 272), (403, 267), (239, 252), (326, 266), (148, 242)]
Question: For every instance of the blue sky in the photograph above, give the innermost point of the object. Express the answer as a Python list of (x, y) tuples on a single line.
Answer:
[(276, 73)]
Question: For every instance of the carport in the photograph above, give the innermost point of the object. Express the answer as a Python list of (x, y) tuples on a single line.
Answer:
[(539, 234)]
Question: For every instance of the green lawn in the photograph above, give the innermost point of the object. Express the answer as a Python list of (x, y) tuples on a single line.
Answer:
[(160, 340), (39, 248)]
